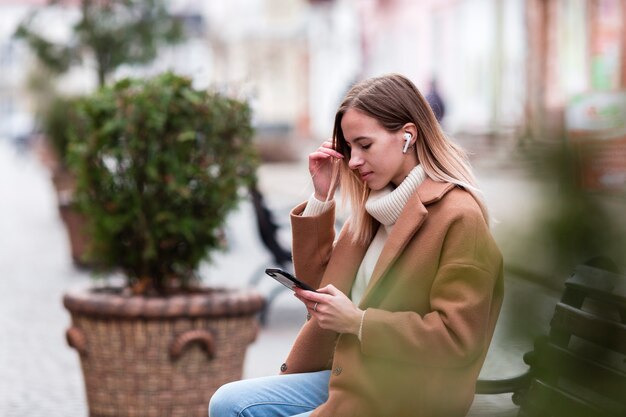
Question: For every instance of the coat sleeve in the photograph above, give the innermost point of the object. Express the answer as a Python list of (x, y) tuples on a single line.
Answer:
[(464, 303), (312, 244)]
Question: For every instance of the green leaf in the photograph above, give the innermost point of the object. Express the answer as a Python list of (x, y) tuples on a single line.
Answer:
[(186, 136)]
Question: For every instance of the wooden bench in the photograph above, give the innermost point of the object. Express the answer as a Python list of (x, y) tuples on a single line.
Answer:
[(579, 369)]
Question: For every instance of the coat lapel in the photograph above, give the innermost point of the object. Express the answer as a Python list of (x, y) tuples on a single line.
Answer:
[(411, 219), (344, 263)]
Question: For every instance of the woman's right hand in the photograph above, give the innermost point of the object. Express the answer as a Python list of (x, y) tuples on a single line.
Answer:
[(321, 163)]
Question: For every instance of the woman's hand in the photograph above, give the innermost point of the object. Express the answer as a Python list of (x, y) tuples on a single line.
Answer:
[(321, 164), (332, 309)]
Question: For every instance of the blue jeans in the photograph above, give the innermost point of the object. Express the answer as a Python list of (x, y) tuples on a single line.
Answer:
[(293, 395)]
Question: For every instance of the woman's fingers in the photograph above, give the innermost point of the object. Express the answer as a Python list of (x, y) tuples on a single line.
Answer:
[(329, 289), (318, 297), (328, 148), (332, 309), (328, 295), (321, 163), (323, 153)]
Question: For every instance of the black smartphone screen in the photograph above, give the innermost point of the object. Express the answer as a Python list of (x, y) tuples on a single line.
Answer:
[(287, 279)]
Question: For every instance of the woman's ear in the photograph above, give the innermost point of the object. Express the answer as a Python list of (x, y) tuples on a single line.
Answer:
[(410, 129)]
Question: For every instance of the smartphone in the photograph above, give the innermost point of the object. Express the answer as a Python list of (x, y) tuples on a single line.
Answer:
[(287, 279)]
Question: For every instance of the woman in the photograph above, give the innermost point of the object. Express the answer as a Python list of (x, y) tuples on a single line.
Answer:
[(410, 291)]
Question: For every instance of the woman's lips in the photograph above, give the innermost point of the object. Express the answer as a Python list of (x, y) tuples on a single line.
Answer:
[(366, 175)]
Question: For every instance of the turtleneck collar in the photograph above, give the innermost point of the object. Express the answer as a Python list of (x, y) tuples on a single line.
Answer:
[(385, 205)]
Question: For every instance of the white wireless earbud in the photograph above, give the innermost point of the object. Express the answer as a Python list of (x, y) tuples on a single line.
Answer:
[(407, 142)]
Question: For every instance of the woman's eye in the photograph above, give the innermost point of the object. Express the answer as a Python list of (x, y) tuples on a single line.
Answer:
[(366, 146)]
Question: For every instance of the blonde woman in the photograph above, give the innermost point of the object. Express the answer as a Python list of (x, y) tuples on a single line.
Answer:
[(410, 290)]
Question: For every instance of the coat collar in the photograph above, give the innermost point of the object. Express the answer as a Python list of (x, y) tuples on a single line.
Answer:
[(411, 219)]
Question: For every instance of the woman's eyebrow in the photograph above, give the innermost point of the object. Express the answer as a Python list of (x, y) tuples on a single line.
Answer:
[(358, 139)]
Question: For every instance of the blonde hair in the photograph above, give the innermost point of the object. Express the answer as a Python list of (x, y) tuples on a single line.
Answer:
[(394, 101)]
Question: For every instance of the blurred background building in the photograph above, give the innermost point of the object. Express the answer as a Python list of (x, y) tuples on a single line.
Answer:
[(503, 67)]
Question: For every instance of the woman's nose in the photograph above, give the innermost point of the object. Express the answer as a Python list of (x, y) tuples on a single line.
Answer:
[(355, 161)]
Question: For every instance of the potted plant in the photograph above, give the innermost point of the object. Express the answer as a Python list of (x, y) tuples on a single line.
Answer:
[(159, 165), (58, 119), (108, 34)]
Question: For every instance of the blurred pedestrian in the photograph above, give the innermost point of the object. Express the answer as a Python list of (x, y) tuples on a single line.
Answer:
[(410, 291), (436, 101)]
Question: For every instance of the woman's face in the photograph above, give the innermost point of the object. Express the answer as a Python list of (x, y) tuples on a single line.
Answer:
[(375, 152)]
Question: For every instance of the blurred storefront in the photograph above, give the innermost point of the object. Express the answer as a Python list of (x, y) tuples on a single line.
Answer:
[(502, 66), (16, 119), (577, 84), (258, 50), (474, 49), (596, 127), (574, 47)]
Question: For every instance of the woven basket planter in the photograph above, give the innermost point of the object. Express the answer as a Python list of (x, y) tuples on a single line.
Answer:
[(159, 356), (75, 223)]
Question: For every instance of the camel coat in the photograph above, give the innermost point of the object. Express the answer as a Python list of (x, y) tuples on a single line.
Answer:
[(432, 305)]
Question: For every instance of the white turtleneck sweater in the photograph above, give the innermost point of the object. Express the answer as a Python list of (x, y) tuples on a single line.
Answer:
[(385, 206)]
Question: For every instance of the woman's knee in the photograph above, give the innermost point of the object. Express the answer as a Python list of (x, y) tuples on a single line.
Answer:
[(284, 395), (225, 402)]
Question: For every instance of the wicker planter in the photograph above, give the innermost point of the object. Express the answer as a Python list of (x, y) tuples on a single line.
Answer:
[(75, 226), (159, 356), (75, 223)]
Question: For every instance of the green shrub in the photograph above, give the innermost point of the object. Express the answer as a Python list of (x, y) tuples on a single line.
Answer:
[(159, 166), (58, 120)]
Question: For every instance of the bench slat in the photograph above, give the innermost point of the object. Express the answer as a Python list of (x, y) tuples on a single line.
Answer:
[(602, 285), (552, 361), (544, 399), (601, 331)]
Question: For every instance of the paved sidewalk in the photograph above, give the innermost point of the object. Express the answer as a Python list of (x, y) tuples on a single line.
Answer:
[(40, 374)]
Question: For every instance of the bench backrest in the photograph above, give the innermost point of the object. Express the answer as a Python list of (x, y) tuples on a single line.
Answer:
[(580, 368)]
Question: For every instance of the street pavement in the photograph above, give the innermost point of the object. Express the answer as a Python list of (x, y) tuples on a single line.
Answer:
[(40, 375)]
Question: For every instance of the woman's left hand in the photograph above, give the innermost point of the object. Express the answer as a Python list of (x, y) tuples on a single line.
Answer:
[(332, 309)]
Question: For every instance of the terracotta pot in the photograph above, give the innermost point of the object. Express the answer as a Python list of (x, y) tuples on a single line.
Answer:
[(159, 356)]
